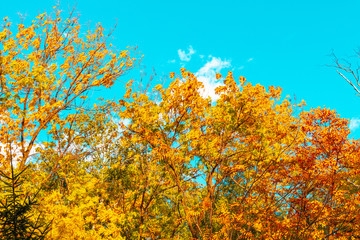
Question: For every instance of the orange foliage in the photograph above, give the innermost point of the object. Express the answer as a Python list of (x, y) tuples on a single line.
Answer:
[(179, 166)]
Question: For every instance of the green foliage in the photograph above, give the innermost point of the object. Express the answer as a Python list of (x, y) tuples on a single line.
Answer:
[(16, 210)]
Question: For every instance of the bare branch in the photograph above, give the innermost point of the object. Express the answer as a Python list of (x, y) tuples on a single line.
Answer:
[(345, 68)]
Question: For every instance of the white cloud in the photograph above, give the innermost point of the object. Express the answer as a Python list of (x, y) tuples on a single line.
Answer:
[(120, 123), (185, 57), (206, 75), (16, 152), (354, 124), (126, 122), (250, 59), (171, 61)]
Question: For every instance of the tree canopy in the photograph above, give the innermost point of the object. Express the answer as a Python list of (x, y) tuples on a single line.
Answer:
[(169, 162)]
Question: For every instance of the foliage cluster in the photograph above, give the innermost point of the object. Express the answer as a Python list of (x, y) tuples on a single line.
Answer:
[(174, 166)]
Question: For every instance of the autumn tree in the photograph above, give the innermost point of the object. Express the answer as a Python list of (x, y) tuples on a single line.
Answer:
[(46, 71), (238, 163), (323, 203), (178, 166), (218, 155), (182, 166)]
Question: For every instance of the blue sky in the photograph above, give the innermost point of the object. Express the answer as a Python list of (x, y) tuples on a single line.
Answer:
[(280, 43)]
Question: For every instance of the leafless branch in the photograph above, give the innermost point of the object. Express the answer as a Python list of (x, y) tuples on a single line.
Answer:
[(348, 72)]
